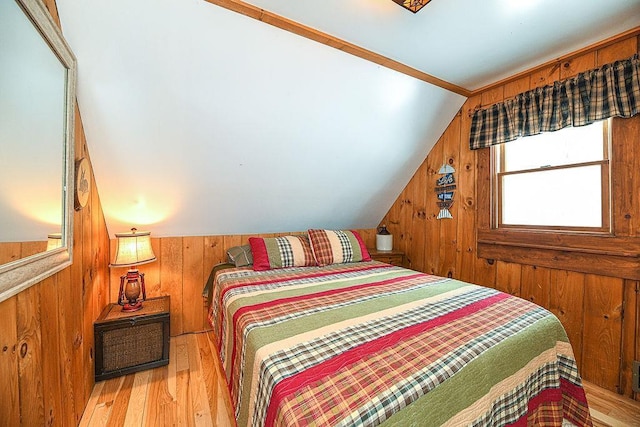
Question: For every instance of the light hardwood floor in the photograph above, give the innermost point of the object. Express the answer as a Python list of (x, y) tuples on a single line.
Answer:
[(190, 391)]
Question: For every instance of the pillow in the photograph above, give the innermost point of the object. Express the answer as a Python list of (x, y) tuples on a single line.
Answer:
[(337, 246), (240, 255), (281, 252)]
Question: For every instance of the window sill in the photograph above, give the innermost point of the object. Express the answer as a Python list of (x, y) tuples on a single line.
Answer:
[(605, 255)]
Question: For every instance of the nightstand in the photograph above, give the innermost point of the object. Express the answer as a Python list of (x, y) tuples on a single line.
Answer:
[(392, 257), (127, 342)]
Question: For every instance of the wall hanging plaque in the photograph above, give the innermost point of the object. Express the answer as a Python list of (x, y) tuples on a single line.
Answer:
[(83, 183), (445, 186)]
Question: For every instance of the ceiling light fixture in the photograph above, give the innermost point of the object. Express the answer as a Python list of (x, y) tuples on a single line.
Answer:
[(412, 5)]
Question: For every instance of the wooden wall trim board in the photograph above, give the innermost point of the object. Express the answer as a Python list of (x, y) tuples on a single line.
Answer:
[(182, 270), (327, 39), (598, 304), (565, 61), (569, 63), (602, 245)]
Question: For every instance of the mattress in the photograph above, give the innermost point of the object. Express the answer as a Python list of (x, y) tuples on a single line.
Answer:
[(367, 344)]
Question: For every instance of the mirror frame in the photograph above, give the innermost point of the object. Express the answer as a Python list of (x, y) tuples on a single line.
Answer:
[(18, 275)]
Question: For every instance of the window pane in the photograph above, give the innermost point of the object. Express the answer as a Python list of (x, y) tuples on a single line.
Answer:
[(559, 197), (567, 146)]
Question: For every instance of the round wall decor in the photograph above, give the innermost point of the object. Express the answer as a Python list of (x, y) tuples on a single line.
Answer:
[(83, 183)]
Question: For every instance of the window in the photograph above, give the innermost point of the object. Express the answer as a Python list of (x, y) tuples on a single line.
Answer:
[(606, 243), (554, 181)]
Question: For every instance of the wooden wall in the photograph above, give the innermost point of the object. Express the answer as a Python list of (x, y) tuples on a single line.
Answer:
[(182, 270), (601, 314), (12, 251), (46, 332)]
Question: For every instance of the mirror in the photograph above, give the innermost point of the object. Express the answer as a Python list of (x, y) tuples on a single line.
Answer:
[(37, 112)]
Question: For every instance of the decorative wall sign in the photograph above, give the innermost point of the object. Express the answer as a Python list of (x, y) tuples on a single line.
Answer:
[(83, 183), (445, 186)]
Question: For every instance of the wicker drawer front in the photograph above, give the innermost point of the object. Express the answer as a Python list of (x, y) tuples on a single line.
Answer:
[(118, 351), (130, 342)]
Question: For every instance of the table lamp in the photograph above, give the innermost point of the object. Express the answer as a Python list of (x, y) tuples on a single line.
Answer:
[(132, 249)]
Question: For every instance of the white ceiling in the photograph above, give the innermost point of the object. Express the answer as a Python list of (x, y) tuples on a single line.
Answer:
[(469, 43), (203, 121)]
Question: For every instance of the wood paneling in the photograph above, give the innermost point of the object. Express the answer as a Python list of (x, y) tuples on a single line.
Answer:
[(182, 270), (432, 250), (419, 216), (572, 67), (600, 312), (12, 251), (9, 392), (596, 47), (46, 333), (171, 280), (535, 285), (602, 318), (630, 334), (566, 301), (616, 255), (448, 229), (626, 160), (465, 204), (52, 374), (30, 356), (621, 49), (508, 277), (544, 76), (193, 249)]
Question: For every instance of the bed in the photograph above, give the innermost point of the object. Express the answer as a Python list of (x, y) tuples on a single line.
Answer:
[(367, 343)]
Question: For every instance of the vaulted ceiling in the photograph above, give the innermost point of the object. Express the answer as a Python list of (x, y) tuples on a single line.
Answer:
[(201, 120)]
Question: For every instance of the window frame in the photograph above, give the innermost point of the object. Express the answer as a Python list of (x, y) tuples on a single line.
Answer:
[(616, 253), (497, 168)]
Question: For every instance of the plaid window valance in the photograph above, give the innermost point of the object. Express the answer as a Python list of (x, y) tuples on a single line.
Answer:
[(612, 90)]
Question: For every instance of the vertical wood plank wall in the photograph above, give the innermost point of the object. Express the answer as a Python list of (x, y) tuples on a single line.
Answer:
[(46, 331), (590, 307), (181, 270)]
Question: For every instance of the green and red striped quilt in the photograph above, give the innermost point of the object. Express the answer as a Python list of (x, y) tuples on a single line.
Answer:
[(369, 344)]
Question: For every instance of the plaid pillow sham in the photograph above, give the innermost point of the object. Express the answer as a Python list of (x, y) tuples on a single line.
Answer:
[(337, 246), (281, 252)]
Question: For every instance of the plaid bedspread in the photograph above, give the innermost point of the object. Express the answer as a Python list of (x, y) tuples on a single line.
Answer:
[(369, 344)]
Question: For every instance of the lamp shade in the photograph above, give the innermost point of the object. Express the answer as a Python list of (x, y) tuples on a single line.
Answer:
[(133, 249)]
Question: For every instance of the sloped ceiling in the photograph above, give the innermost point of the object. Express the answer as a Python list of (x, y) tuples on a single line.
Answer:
[(468, 43), (204, 121)]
